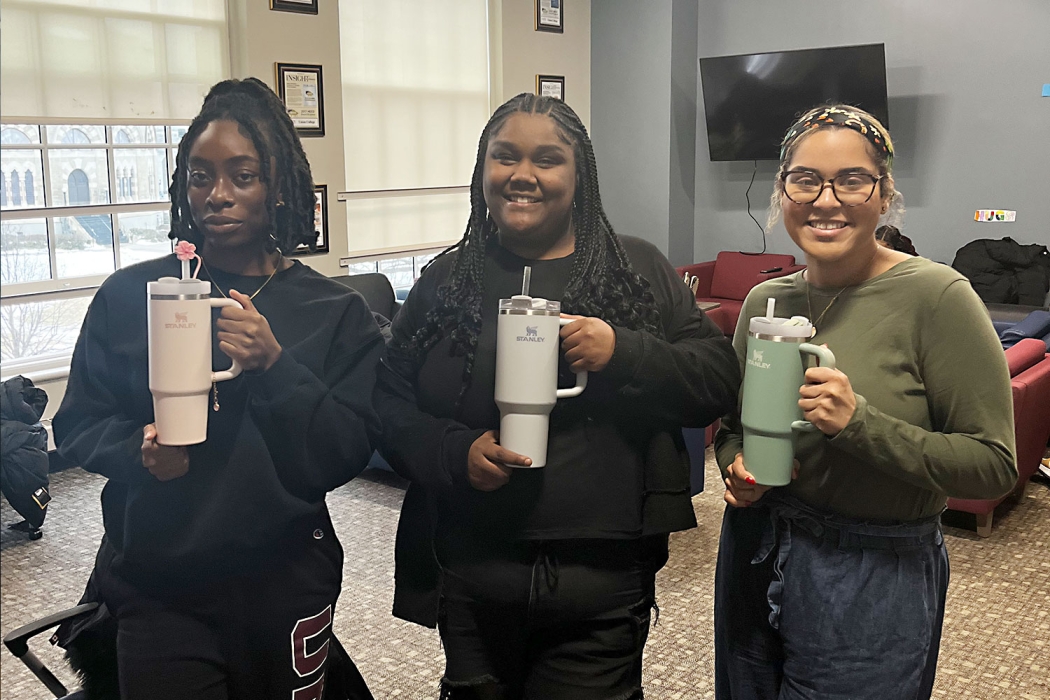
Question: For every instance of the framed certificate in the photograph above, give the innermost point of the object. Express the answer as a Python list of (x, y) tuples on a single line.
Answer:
[(549, 17), (320, 223), (551, 86), (301, 89), (305, 7)]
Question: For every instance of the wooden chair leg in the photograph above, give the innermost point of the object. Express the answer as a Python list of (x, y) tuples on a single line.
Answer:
[(984, 525)]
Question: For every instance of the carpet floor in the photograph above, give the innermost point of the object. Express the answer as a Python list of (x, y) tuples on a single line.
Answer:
[(996, 631)]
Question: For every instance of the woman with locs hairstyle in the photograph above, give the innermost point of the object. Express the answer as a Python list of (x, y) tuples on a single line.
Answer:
[(541, 581), (220, 563), (834, 585)]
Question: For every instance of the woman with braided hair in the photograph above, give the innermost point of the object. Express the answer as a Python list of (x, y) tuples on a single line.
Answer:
[(833, 586), (220, 563), (541, 581)]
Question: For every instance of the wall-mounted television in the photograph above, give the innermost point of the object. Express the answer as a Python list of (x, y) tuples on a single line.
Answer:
[(750, 100)]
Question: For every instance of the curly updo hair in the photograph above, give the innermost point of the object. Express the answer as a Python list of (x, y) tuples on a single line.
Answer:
[(261, 118), (602, 282)]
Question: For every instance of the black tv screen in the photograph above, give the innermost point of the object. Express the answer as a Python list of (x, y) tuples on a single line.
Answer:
[(750, 100)]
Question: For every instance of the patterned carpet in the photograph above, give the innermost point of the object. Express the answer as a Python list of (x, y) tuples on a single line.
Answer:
[(996, 638)]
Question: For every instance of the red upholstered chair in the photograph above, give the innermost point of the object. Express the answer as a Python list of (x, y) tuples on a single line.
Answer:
[(1030, 380), (728, 278)]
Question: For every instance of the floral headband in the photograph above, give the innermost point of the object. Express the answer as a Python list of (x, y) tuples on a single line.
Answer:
[(864, 125)]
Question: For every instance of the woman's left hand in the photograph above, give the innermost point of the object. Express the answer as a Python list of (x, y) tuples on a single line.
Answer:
[(245, 335), (828, 401), (588, 343)]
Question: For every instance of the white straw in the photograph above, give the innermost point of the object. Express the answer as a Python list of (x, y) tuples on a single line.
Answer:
[(185, 269), (770, 303), (526, 281)]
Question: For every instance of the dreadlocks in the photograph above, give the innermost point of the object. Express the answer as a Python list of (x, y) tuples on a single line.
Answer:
[(601, 281), (261, 118)]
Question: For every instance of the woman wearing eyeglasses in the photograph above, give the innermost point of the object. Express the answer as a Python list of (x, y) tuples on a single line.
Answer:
[(834, 586)]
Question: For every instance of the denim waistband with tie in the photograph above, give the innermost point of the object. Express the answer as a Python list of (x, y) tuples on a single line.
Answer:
[(787, 512)]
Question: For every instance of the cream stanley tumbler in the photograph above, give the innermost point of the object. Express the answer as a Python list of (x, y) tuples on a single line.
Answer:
[(180, 373), (774, 370), (527, 351)]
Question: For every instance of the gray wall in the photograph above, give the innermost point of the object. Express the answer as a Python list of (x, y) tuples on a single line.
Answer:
[(643, 118), (630, 113), (971, 130)]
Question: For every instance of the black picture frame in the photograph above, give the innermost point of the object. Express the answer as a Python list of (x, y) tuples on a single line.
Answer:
[(303, 7), (551, 86), (309, 123), (320, 223), (550, 16)]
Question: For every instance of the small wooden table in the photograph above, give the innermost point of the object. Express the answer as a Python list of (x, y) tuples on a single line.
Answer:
[(706, 306)]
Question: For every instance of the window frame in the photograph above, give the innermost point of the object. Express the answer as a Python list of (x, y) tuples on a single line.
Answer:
[(66, 288)]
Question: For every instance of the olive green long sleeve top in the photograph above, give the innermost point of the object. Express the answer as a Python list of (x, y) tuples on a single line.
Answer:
[(934, 414)]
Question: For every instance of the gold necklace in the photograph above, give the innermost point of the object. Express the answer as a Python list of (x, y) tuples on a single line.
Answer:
[(276, 267), (809, 305)]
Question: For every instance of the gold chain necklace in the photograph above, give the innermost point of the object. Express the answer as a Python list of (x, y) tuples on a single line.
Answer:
[(276, 267), (809, 305)]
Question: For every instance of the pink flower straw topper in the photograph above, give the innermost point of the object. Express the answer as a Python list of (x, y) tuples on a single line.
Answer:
[(186, 251)]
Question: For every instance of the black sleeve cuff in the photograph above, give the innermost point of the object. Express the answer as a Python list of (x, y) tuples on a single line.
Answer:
[(276, 383), (623, 365), (455, 448)]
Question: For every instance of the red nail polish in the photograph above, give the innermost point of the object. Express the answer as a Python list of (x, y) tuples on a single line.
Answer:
[(750, 480)]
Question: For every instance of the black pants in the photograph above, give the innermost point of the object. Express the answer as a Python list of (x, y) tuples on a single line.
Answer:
[(551, 620), (257, 635)]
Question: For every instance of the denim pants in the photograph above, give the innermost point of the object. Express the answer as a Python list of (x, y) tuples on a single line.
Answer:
[(819, 606)]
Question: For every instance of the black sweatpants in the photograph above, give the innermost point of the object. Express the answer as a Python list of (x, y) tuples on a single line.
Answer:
[(556, 620), (260, 634)]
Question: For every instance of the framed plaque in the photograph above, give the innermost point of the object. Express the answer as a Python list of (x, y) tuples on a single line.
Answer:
[(305, 7), (320, 223), (301, 89), (551, 86), (549, 17)]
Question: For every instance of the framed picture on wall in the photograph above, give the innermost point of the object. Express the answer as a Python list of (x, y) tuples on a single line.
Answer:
[(301, 89), (551, 86), (305, 7), (320, 223), (549, 17)]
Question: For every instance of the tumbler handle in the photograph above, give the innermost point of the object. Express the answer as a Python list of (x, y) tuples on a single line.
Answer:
[(825, 358), (581, 377), (235, 368)]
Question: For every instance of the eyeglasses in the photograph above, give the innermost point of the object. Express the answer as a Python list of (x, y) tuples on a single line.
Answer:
[(850, 189)]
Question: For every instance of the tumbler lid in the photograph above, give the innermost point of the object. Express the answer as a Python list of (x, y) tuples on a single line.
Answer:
[(179, 287), (794, 328), (523, 305)]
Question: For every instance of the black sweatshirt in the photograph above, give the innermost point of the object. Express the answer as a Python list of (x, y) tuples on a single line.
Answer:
[(281, 440), (617, 467)]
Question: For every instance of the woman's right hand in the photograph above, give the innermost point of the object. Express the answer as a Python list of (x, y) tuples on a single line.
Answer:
[(486, 460), (165, 462), (741, 488)]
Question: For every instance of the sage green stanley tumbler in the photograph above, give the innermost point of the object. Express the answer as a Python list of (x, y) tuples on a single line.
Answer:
[(773, 374)]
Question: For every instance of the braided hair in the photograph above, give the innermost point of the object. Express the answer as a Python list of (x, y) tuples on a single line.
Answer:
[(601, 280), (262, 118)]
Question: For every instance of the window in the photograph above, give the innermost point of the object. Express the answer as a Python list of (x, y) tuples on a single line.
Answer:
[(61, 232), (402, 272), (96, 96), (415, 99)]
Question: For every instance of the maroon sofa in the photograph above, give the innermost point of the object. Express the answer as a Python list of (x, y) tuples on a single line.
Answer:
[(728, 278), (1030, 380)]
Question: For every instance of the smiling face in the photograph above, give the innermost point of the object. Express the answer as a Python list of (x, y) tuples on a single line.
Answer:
[(825, 230), (529, 184), (226, 193)]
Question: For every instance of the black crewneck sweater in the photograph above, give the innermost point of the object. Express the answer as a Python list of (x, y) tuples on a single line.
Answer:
[(281, 440), (617, 467)]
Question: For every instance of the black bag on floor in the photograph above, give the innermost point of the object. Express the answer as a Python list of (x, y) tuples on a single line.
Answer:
[(23, 450)]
